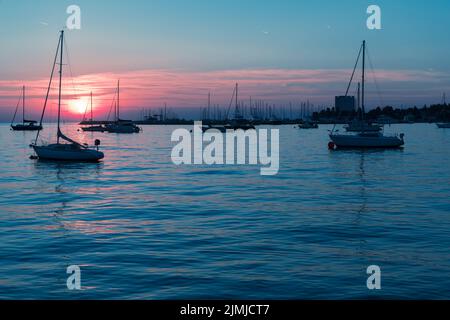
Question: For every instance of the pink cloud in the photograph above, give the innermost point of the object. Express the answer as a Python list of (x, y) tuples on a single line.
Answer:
[(153, 88)]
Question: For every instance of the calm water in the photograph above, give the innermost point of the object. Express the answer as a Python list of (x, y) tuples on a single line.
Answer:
[(142, 228)]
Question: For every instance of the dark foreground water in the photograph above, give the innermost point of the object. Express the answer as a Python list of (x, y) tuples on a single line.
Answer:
[(141, 228)]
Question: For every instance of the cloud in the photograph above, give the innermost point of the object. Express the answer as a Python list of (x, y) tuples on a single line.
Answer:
[(153, 88)]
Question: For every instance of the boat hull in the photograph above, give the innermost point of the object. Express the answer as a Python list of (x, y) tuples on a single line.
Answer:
[(122, 128), (22, 127), (94, 129), (242, 127), (443, 125), (220, 128), (308, 126), (63, 152), (357, 141)]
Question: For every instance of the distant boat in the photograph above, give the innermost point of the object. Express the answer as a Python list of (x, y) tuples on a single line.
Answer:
[(367, 140), (70, 150), (120, 125), (93, 128), (222, 129), (363, 138), (238, 122), (26, 125), (443, 125), (308, 125)]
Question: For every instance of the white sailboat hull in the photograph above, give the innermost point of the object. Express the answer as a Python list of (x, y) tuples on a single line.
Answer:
[(366, 141), (67, 152)]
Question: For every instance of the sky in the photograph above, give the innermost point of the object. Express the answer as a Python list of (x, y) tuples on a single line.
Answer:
[(176, 51)]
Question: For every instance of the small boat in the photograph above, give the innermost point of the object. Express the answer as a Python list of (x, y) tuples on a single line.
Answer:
[(443, 125), (26, 125), (120, 125), (65, 149), (308, 125), (367, 140), (92, 128), (240, 125), (363, 138), (238, 122), (222, 129)]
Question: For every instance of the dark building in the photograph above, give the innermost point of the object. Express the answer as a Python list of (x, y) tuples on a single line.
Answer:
[(344, 103)]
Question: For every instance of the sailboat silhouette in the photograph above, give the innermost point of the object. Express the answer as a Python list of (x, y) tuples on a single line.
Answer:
[(64, 149)]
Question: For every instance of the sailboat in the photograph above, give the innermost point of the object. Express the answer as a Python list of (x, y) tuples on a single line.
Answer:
[(365, 139), (209, 126), (93, 128), (65, 149), (239, 122), (119, 125), (26, 125), (308, 125)]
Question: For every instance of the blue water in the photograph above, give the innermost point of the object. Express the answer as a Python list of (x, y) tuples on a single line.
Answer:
[(142, 228)]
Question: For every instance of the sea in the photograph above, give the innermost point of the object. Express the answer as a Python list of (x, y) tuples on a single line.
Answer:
[(140, 227)]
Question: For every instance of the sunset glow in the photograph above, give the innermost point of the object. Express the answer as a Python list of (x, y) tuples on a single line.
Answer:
[(296, 55), (78, 106), (154, 88), (224, 158)]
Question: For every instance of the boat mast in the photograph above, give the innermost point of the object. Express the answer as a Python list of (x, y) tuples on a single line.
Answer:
[(237, 95), (363, 76), (48, 91), (23, 105), (237, 107), (209, 105), (358, 106), (60, 84), (118, 100), (92, 118)]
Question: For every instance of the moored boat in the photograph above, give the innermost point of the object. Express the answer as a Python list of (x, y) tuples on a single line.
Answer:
[(26, 125), (120, 125), (443, 125), (238, 122), (365, 138), (308, 125), (92, 128), (65, 149)]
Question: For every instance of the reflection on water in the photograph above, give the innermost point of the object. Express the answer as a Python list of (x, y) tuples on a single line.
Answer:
[(65, 172), (363, 196), (141, 227)]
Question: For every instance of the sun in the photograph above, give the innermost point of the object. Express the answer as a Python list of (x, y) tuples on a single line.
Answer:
[(77, 106)]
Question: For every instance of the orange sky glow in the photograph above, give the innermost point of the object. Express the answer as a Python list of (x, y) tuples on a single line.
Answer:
[(153, 88)]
